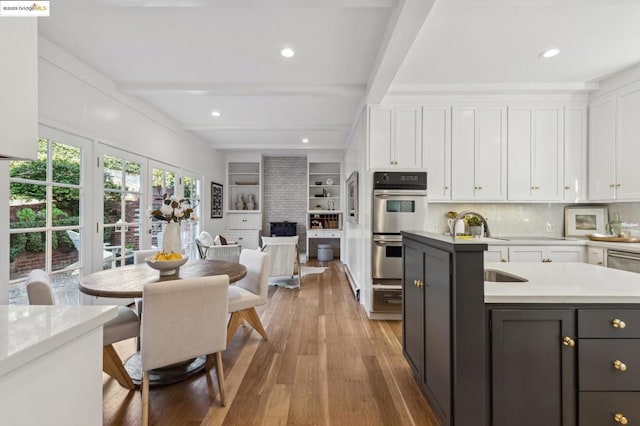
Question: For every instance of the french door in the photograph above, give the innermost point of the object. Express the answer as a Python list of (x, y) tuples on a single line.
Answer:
[(119, 207)]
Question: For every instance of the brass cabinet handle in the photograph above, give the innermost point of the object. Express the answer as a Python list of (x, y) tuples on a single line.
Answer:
[(601, 263), (547, 260), (418, 283), (612, 185), (618, 323), (503, 260), (567, 187), (446, 187), (619, 365), (618, 185), (620, 418), (535, 187), (568, 341)]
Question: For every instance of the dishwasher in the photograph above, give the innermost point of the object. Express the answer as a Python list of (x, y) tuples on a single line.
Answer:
[(625, 260)]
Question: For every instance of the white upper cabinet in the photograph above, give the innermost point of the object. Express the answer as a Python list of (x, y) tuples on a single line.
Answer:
[(575, 153), (536, 143), (436, 150), (602, 151), (614, 146), (395, 138), (628, 144), (19, 88), (478, 153)]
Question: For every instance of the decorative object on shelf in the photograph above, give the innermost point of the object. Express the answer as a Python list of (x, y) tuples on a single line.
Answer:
[(251, 204), (216, 200), (329, 181), (580, 221), (352, 197), (240, 202), (318, 182)]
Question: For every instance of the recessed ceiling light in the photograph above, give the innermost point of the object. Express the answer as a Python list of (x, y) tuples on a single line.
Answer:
[(216, 113), (549, 53), (287, 52), (305, 140)]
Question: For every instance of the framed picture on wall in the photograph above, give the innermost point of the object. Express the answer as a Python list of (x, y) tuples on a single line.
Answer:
[(580, 221), (352, 198), (216, 200)]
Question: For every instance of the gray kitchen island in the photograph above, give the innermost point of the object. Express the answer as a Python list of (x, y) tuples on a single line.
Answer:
[(556, 344)]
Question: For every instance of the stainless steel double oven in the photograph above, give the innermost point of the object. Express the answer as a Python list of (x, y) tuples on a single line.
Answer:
[(399, 204)]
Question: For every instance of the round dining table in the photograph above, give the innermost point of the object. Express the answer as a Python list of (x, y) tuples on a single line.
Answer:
[(129, 281)]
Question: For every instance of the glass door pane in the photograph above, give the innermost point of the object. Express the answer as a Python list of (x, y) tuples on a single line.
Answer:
[(122, 213), (163, 185)]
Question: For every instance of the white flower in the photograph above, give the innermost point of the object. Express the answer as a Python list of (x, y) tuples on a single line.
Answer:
[(178, 212), (174, 198), (194, 217), (166, 210)]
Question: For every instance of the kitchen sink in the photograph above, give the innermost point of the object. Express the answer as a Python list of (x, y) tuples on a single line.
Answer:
[(494, 275)]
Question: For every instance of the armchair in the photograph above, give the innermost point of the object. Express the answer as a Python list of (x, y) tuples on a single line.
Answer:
[(285, 256), (208, 249)]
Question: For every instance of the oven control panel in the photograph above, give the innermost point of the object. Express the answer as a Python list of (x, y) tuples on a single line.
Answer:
[(400, 180)]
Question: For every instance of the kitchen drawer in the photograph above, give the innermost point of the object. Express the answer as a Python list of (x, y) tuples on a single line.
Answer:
[(324, 234), (599, 323), (596, 358), (600, 408)]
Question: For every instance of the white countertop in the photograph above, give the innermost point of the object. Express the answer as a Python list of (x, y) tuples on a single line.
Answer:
[(562, 283), (28, 332)]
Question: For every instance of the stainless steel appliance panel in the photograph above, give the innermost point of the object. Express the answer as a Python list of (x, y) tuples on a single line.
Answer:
[(387, 300), (396, 210), (624, 260), (386, 257)]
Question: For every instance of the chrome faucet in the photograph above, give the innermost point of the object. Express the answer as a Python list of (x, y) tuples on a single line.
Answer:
[(469, 212)]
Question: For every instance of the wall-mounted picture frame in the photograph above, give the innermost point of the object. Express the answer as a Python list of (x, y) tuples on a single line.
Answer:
[(216, 200), (581, 221), (352, 197)]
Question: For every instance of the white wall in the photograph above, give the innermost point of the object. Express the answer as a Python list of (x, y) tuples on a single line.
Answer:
[(76, 99), (357, 236)]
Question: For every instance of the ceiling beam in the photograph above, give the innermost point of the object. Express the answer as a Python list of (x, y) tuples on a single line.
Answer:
[(491, 88), (212, 89), (264, 127), (250, 3), (403, 28)]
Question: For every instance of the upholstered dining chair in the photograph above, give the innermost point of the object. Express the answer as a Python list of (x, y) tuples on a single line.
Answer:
[(124, 326), (217, 248), (183, 319), (140, 255), (285, 256), (249, 292)]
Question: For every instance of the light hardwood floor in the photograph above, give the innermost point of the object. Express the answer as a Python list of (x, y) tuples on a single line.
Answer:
[(325, 363)]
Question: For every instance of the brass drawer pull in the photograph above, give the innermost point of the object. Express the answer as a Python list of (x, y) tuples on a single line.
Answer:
[(619, 365), (620, 418), (618, 323), (568, 341)]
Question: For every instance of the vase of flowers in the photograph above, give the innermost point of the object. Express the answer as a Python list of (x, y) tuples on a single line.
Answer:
[(173, 211)]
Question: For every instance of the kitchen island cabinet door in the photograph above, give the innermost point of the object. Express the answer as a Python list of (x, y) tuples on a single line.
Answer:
[(533, 372), (413, 310)]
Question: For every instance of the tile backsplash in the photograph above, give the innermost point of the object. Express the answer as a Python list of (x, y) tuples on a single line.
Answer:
[(540, 219)]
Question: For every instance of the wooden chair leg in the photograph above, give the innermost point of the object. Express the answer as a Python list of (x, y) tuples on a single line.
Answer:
[(145, 398), (254, 320), (112, 365), (234, 323), (208, 363), (220, 374)]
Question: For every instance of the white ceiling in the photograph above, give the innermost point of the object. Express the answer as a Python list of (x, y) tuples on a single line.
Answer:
[(190, 57)]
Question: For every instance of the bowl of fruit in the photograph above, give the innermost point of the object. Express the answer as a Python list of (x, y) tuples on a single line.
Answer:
[(166, 263)]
